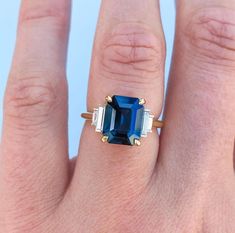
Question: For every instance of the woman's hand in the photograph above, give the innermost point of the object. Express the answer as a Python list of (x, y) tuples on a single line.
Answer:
[(180, 182)]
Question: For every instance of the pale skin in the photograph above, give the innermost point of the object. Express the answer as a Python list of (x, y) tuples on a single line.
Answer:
[(180, 181)]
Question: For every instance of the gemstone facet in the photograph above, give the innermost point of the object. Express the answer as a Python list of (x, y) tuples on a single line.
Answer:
[(123, 120), (97, 119), (147, 123)]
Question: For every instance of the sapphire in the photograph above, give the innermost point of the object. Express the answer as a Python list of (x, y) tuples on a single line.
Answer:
[(123, 120)]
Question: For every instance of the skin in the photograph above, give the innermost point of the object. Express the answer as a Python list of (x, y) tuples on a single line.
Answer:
[(180, 181)]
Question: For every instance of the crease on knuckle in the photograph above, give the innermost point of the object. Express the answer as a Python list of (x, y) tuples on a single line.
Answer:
[(54, 14), (211, 32), (30, 100), (132, 53)]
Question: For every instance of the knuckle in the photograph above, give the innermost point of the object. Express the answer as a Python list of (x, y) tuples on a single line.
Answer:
[(39, 12), (132, 51), (30, 100), (211, 32)]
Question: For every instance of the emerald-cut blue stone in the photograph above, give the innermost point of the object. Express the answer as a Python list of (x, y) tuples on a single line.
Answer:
[(123, 120)]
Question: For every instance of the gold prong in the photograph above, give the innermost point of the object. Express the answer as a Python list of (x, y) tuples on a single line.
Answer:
[(108, 99), (137, 142), (104, 138), (142, 101)]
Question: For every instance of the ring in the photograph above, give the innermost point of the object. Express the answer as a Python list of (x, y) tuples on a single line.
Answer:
[(123, 120)]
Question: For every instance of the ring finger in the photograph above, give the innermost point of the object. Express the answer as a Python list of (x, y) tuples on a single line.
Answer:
[(198, 141), (128, 60)]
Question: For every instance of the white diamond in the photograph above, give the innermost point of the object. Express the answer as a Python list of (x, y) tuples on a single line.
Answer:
[(94, 117), (147, 123), (98, 118)]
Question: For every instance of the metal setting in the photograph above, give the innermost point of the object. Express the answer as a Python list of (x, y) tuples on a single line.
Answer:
[(142, 101), (108, 99), (137, 142), (104, 138)]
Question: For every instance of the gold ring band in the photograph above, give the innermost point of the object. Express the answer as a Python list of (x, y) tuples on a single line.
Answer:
[(156, 123)]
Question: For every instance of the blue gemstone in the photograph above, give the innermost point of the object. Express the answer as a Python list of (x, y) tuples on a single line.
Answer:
[(123, 120)]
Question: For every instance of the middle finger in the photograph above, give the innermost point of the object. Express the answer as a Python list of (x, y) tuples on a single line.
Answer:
[(128, 60)]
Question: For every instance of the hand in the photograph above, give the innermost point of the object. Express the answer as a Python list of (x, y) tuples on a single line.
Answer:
[(180, 182)]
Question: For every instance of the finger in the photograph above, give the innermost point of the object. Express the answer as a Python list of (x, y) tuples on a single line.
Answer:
[(234, 156), (128, 60), (34, 144), (198, 140)]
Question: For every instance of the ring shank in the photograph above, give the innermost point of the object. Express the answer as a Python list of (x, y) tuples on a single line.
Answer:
[(156, 123), (87, 116)]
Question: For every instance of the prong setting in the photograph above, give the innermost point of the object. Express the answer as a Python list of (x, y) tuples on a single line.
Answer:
[(104, 138), (142, 101), (137, 142), (108, 99)]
